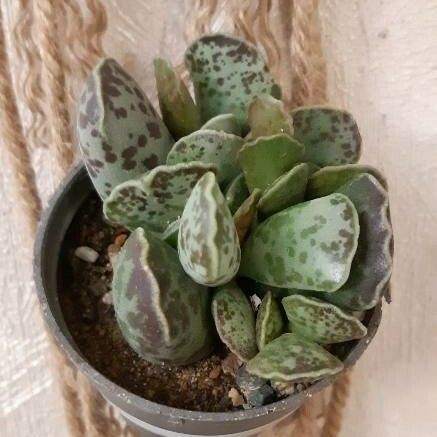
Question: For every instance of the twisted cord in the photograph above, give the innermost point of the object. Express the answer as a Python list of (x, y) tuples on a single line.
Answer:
[(95, 29), (244, 18)]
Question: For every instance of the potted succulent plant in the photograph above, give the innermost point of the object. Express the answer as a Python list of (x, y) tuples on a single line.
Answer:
[(239, 241)]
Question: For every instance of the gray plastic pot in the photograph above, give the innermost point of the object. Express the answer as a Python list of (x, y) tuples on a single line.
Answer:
[(149, 418)]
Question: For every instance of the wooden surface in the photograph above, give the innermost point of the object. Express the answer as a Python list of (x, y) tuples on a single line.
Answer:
[(382, 66)]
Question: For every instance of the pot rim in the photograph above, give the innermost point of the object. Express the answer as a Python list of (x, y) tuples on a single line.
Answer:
[(104, 384)]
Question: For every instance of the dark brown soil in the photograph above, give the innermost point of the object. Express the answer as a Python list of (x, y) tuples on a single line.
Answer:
[(203, 386)]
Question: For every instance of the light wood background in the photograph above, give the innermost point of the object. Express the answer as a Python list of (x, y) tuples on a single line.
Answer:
[(382, 66)]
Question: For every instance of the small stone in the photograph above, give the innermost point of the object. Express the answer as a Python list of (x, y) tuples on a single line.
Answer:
[(214, 374), (231, 363), (235, 397), (112, 252), (107, 298), (86, 254), (284, 388), (256, 301), (120, 240), (256, 390)]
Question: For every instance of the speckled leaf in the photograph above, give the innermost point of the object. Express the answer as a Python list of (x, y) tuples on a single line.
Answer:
[(156, 199), (161, 312), (179, 112), (170, 235), (236, 193), (330, 136), (267, 116), (320, 321), (208, 243), (224, 123), (269, 323), (308, 246), (246, 214), (293, 358), (212, 147), (372, 265), (327, 180), (286, 191), (227, 73), (235, 321), (265, 159), (120, 134)]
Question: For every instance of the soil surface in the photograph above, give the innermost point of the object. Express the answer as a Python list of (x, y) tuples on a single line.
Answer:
[(89, 314)]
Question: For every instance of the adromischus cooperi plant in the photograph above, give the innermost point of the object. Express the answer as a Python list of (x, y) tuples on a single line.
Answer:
[(227, 196)]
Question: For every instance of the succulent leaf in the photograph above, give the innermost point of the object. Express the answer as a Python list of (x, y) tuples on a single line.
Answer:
[(227, 73), (211, 147), (330, 136), (170, 235), (161, 312), (223, 123), (293, 358), (269, 323), (265, 159), (267, 116), (320, 321), (236, 193), (246, 214), (234, 320), (179, 112), (286, 191), (208, 245), (156, 199), (329, 179), (308, 246), (372, 265), (120, 134)]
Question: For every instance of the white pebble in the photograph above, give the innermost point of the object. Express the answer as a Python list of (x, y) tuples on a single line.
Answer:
[(107, 299), (86, 254), (256, 301)]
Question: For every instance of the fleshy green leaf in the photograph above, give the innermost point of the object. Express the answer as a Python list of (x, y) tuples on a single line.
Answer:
[(156, 199), (223, 123), (372, 265), (269, 323), (179, 112), (330, 136), (227, 73), (161, 312), (308, 246), (208, 243), (235, 321), (236, 193), (293, 358), (120, 134), (327, 180), (320, 321), (267, 158), (267, 116), (286, 191), (246, 213), (212, 147), (170, 235)]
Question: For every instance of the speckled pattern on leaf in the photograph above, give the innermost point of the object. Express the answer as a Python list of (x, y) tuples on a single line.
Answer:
[(267, 116), (156, 199), (246, 214), (293, 358), (227, 73), (120, 134), (372, 266), (330, 136), (267, 158), (212, 147), (235, 321), (320, 321), (308, 246), (161, 312), (179, 112), (327, 180), (223, 123), (286, 191), (269, 323), (236, 193), (208, 245)]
